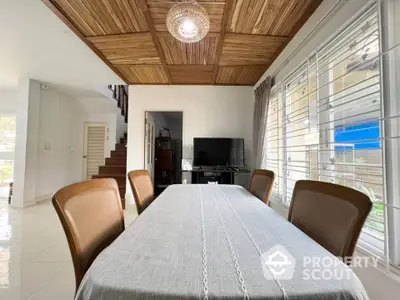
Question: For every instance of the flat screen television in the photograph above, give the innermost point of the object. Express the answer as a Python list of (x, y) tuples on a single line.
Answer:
[(218, 152)]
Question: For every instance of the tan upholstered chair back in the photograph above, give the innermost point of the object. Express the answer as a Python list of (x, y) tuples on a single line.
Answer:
[(142, 188), (91, 215), (332, 215), (261, 184)]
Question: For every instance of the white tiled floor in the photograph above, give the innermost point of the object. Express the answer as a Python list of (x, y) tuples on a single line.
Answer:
[(35, 262)]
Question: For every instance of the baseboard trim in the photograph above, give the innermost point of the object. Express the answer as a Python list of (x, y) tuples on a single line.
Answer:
[(31, 203), (43, 198), (25, 204)]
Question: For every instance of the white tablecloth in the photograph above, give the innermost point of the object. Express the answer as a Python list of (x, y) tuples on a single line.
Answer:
[(199, 241)]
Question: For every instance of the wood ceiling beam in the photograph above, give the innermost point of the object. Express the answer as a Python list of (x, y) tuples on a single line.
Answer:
[(217, 34), (200, 2), (150, 24), (246, 66), (256, 34), (167, 33), (57, 11), (224, 23), (217, 84)]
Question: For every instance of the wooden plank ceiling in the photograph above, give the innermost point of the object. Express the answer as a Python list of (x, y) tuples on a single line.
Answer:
[(132, 38)]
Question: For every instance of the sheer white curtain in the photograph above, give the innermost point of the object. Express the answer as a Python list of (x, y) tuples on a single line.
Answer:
[(261, 103)]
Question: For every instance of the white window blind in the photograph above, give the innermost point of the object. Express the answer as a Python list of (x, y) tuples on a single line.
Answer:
[(326, 122)]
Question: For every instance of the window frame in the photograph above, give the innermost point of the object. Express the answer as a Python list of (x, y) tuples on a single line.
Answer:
[(391, 252)]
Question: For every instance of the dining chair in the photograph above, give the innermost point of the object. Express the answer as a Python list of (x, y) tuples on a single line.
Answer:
[(142, 188), (261, 184), (332, 215), (91, 215)]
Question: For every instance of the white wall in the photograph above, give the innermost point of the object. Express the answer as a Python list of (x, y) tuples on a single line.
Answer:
[(379, 286), (8, 103), (61, 131), (103, 110), (26, 144), (208, 111), (61, 137), (44, 48)]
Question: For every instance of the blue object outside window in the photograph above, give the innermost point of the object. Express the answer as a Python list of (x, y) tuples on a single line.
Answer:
[(362, 136)]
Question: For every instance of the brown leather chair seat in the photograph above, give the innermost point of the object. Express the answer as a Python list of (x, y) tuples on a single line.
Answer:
[(91, 215), (142, 188), (333, 215), (261, 184)]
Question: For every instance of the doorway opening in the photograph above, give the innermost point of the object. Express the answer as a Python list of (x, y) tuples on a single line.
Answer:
[(163, 148)]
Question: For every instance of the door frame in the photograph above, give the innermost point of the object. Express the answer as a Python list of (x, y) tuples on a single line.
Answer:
[(156, 134), (152, 155), (85, 144)]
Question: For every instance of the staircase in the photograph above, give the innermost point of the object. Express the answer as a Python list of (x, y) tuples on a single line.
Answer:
[(115, 165)]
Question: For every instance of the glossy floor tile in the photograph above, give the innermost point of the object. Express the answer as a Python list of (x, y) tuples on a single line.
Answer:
[(35, 262)]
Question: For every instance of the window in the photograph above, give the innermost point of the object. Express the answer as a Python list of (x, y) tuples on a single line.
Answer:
[(7, 148), (326, 122), (7, 133), (274, 143)]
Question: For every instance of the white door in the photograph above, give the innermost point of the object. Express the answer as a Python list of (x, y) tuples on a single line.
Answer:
[(95, 148), (149, 144)]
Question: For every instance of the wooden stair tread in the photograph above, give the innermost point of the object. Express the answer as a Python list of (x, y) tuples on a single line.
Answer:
[(116, 159), (109, 175), (122, 167), (119, 153), (115, 167), (112, 175)]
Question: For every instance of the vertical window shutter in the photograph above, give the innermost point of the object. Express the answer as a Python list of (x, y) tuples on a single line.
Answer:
[(95, 149)]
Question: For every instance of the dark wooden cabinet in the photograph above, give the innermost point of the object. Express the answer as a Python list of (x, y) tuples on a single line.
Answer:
[(164, 159), (166, 162)]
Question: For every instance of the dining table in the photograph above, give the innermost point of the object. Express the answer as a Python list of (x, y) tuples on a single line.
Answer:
[(210, 241)]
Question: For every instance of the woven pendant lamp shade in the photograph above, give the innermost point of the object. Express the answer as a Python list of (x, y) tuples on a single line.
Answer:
[(188, 22)]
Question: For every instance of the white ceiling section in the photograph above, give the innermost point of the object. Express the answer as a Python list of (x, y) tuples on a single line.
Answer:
[(36, 44)]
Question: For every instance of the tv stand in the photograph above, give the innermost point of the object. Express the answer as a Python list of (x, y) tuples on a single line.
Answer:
[(217, 174)]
